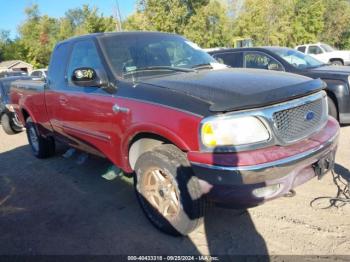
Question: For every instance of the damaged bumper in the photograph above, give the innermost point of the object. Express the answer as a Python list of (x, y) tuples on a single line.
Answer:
[(232, 180)]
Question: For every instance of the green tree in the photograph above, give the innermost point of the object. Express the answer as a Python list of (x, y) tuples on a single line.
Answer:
[(208, 26), (163, 15), (337, 22), (38, 36), (40, 33), (85, 20), (4, 42), (267, 22), (94, 23), (307, 23), (137, 21), (281, 22), (11, 49), (203, 21)]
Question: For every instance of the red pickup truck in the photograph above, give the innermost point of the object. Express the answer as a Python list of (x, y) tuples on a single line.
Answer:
[(190, 129)]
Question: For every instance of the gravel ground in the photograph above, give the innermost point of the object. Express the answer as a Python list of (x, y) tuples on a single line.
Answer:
[(56, 206)]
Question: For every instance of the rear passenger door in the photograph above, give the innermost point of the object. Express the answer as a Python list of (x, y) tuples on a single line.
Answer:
[(259, 60)]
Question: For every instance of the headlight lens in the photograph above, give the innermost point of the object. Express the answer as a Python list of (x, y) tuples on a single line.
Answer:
[(233, 131)]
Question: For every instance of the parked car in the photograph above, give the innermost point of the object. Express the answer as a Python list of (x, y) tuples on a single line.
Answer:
[(290, 60), (326, 53), (12, 73), (39, 74), (8, 117), (187, 128)]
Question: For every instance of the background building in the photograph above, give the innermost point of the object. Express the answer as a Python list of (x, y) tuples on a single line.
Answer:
[(15, 65)]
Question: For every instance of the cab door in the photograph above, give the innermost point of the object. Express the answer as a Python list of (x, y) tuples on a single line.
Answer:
[(84, 115)]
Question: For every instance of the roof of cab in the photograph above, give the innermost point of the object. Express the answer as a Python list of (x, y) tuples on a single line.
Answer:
[(98, 35), (257, 48)]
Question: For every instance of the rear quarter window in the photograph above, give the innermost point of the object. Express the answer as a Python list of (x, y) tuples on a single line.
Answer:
[(302, 49), (57, 66)]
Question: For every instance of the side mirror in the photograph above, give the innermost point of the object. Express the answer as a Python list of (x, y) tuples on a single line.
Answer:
[(88, 77)]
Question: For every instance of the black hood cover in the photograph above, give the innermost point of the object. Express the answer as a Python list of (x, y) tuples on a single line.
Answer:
[(329, 73), (237, 89)]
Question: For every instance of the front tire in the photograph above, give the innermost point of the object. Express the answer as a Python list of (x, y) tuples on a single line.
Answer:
[(168, 192), (9, 125), (42, 147), (332, 108)]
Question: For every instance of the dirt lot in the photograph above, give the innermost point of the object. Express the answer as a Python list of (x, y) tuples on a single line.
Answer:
[(56, 206)]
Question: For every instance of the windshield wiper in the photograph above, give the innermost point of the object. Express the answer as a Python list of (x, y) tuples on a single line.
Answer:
[(155, 68), (203, 66)]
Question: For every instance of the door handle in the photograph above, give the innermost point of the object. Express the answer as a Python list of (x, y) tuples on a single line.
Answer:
[(117, 109)]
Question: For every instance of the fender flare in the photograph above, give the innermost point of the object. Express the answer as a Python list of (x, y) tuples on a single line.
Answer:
[(150, 129)]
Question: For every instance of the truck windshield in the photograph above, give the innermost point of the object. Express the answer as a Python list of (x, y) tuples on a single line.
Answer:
[(133, 55), (297, 59)]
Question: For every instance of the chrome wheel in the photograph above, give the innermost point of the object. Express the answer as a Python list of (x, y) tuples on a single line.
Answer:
[(33, 138), (161, 191)]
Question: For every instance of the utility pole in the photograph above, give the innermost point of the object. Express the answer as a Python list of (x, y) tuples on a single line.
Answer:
[(118, 17)]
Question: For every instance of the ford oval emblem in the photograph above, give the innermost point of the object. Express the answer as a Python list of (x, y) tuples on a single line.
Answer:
[(309, 116)]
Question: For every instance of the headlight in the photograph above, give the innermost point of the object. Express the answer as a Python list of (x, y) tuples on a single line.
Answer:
[(233, 131)]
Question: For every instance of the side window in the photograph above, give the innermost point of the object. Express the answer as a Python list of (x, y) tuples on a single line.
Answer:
[(314, 50), (84, 54), (302, 49), (231, 59), (261, 61)]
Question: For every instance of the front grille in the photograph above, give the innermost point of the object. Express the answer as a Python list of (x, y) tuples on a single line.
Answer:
[(296, 123)]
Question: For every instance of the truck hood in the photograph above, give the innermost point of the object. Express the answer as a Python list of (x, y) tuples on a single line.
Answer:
[(342, 70), (238, 89), (329, 73)]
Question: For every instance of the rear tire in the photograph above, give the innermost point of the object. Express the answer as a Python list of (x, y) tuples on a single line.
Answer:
[(332, 108), (337, 62), (168, 192), (42, 147), (9, 125)]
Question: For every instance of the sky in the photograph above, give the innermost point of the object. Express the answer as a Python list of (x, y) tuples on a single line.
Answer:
[(12, 11)]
